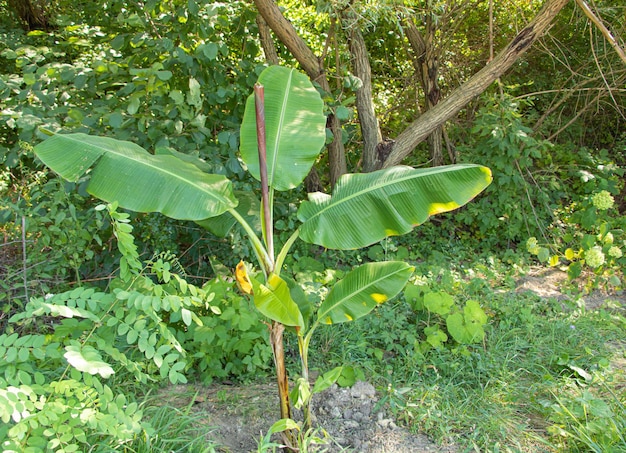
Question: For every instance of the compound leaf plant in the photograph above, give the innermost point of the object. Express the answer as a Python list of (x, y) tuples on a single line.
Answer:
[(282, 135)]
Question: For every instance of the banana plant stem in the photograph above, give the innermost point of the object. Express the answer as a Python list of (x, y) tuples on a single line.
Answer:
[(268, 233), (276, 340), (303, 346)]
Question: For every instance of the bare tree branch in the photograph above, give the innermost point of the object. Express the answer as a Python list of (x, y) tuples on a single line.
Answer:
[(417, 131), (605, 31)]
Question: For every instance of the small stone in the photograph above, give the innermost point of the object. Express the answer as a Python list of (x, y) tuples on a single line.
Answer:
[(362, 390), (351, 424), (384, 422)]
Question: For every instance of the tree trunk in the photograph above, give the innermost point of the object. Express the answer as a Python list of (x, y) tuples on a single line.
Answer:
[(287, 34), (426, 64), (32, 13), (421, 128), (361, 68), (265, 36)]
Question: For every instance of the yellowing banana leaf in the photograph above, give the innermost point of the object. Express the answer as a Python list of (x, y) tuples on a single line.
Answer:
[(366, 208), (295, 127), (362, 289), (274, 301), (124, 172)]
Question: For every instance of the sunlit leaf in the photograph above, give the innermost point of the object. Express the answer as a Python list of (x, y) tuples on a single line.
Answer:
[(124, 172), (366, 208), (274, 301), (362, 289), (294, 124), (87, 359)]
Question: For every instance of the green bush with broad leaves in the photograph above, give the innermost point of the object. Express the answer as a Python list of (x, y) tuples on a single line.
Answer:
[(443, 319), (281, 139), (231, 343), (521, 200), (176, 85), (168, 77)]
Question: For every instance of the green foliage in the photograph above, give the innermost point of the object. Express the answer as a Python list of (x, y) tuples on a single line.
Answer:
[(179, 84), (520, 201), (167, 76), (48, 231), (591, 242), (54, 384), (231, 343), (172, 429), (438, 309), (587, 416)]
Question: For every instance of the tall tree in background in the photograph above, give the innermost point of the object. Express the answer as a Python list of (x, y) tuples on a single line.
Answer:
[(379, 152), (34, 14)]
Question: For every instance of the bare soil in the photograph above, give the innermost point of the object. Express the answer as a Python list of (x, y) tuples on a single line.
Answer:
[(238, 416)]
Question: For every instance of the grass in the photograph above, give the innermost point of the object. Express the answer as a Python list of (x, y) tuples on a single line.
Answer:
[(172, 430), (518, 391)]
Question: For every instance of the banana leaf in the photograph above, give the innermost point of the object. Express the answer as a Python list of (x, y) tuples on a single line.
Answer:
[(124, 172), (294, 127), (274, 301), (248, 207), (362, 289), (366, 208)]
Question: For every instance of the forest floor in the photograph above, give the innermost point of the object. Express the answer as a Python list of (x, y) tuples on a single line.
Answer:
[(237, 417)]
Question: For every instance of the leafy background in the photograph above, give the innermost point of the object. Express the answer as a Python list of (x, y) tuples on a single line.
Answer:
[(91, 289)]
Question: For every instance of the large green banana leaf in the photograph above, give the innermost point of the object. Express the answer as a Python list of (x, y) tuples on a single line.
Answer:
[(124, 172), (294, 125), (362, 289), (366, 208)]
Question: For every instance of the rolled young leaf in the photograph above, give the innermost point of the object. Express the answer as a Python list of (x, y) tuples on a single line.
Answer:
[(366, 208), (362, 289), (124, 172), (294, 126)]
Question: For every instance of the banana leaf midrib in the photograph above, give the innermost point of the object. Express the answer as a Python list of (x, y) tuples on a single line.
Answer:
[(281, 121)]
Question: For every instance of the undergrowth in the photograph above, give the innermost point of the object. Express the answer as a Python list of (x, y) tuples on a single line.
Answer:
[(547, 376)]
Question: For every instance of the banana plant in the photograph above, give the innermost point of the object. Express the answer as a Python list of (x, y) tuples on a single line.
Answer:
[(282, 135)]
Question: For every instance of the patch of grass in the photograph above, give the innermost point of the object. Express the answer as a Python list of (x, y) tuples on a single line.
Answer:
[(518, 391), (172, 430)]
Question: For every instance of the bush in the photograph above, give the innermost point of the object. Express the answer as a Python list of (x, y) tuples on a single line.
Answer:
[(70, 356)]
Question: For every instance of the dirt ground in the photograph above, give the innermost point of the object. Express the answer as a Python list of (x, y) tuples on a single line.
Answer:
[(237, 416)]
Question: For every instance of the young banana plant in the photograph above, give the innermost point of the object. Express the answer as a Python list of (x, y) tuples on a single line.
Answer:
[(282, 135)]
